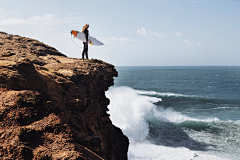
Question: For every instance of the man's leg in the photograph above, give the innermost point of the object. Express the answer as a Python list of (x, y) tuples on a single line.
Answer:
[(87, 52)]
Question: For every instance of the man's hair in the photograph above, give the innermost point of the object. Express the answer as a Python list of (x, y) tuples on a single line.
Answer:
[(85, 27)]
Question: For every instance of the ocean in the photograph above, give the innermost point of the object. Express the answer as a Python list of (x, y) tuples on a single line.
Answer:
[(178, 113)]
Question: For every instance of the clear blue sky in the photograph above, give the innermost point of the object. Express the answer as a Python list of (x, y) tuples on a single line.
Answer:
[(135, 32)]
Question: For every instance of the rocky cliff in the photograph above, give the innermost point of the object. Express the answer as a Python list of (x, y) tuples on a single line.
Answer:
[(54, 107)]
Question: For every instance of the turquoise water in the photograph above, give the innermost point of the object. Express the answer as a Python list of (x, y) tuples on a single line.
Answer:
[(189, 110)]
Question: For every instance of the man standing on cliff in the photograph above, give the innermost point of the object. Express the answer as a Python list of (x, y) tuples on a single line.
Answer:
[(85, 44)]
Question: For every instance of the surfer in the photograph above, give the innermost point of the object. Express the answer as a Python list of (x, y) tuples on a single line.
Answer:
[(85, 44)]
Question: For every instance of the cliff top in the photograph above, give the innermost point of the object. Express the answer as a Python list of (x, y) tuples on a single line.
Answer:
[(16, 49), (47, 60)]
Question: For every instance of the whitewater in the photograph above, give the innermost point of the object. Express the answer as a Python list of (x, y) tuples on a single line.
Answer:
[(166, 121)]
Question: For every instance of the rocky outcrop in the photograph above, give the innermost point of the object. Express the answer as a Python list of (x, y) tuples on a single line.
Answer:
[(54, 107)]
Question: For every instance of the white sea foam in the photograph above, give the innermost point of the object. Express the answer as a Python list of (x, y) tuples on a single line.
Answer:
[(162, 94), (169, 114), (148, 151), (237, 122), (129, 111)]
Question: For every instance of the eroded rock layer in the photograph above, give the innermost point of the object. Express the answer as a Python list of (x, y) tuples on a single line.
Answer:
[(54, 107)]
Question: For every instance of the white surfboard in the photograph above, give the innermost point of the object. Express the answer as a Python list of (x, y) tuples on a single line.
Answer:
[(82, 37)]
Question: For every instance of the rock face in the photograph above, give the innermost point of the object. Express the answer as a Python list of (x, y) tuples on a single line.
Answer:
[(54, 107)]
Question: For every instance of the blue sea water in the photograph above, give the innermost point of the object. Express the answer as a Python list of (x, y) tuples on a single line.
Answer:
[(178, 112)]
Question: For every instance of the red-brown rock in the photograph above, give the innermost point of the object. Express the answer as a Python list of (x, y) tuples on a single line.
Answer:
[(54, 107)]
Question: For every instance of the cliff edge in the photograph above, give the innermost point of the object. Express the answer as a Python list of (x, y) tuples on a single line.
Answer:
[(54, 107)]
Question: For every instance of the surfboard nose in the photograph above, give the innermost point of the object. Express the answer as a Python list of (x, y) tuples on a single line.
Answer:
[(74, 32)]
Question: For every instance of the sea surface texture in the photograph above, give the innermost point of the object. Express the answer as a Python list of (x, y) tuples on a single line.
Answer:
[(178, 113)]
